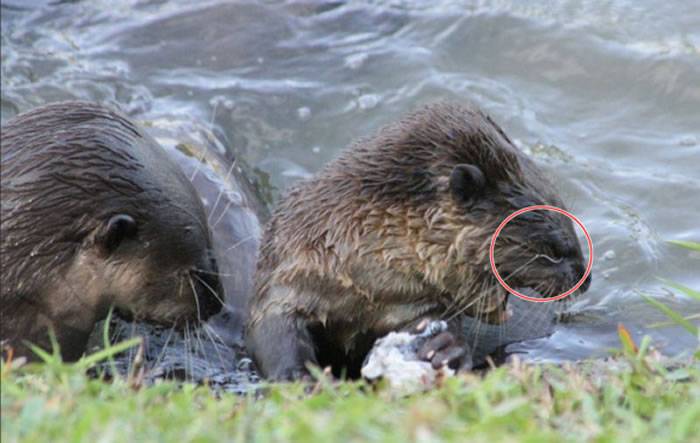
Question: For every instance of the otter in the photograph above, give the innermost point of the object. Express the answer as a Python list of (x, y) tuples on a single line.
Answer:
[(95, 215), (396, 230)]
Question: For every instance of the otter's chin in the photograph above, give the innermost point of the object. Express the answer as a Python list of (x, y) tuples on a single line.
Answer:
[(555, 288), (124, 314), (548, 282), (178, 322), (530, 291)]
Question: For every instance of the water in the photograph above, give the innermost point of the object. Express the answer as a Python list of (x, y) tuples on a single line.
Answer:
[(605, 96)]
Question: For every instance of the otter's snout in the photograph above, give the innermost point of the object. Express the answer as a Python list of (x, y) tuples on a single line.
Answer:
[(565, 247), (210, 293), (578, 270), (558, 263)]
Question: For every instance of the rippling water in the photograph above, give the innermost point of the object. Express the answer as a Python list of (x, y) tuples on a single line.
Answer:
[(605, 95)]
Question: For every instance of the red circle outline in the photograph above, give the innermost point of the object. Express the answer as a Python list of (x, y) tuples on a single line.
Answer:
[(530, 209)]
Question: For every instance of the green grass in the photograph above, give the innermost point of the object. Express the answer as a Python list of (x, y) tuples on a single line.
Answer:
[(631, 398), (638, 400), (677, 317)]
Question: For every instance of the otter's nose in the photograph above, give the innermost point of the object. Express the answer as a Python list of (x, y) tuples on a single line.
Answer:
[(586, 284), (578, 271)]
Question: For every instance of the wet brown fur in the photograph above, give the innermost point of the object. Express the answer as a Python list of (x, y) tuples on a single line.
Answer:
[(377, 240), (66, 169)]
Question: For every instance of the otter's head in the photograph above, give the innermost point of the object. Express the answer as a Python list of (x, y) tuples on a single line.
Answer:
[(156, 263), (537, 251), (452, 176), (95, 214)]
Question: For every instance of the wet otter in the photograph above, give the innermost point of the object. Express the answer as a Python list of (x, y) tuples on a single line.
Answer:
[(397, 229), (94, 214)]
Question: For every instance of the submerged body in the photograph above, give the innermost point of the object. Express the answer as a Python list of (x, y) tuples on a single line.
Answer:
[(396, 230), (95, 215)]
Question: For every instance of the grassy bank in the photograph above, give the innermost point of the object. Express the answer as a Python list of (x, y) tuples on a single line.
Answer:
[(627, 399), (638, 396)]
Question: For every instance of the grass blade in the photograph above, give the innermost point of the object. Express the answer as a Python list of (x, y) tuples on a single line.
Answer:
[(106, 353), (673, 315), (626, 340), (42, 354), (684, 289), (694, 246)]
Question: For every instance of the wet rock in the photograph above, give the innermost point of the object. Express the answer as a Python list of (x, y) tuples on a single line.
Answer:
[(191, 356)]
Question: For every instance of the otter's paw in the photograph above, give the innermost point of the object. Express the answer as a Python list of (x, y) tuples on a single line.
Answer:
[(445, 350)]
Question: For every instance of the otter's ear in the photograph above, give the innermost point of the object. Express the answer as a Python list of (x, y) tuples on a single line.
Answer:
[(466, 182), (120, 227)]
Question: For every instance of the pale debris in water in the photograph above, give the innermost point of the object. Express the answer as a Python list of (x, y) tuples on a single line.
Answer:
[(394, 359), (304, 113)]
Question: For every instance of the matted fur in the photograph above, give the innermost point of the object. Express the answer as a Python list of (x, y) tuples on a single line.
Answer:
[(377, 239), (66, 169)]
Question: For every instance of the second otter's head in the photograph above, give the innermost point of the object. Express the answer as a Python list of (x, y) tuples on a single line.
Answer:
[(95, 214)]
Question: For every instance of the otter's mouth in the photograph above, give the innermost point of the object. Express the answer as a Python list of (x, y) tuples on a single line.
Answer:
[(208, 292), (545, 277), (541, 282), (500, 314), (552, 287)]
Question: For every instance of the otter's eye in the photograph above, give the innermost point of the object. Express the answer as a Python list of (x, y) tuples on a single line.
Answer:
[(466, 182), (119, 228)]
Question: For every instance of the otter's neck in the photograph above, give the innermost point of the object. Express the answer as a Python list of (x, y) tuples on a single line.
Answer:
[(29, 321), (71, 304)]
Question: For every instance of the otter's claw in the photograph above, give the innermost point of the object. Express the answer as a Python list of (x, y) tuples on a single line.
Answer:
[(443, 350)]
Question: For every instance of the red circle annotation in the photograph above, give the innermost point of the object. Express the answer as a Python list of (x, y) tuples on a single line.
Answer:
[(589, 266)]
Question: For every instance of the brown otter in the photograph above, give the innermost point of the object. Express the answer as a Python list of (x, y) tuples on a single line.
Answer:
[(397, 229), (94, 214)]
